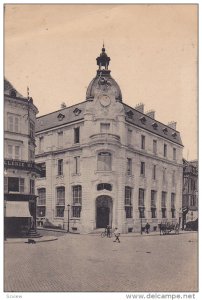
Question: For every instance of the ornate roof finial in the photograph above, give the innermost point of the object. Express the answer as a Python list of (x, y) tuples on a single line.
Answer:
[(27, 92), (103, 60)]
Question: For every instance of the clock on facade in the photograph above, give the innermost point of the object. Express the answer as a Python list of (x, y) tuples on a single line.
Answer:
[(104, 100)]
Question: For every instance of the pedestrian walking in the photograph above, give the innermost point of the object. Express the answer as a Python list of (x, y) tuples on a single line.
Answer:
[(117, 235), (147, 227)]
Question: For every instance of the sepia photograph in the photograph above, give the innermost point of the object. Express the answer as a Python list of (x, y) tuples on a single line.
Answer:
[(100, 141)]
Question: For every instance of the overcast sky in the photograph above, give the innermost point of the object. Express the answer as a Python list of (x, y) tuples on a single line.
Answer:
[(153, 49)]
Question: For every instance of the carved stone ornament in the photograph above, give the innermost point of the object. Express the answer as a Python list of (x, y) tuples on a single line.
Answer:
[(104, 100)]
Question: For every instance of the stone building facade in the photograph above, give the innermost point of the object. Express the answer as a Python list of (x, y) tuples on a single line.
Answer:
[(106, 163), (190, 191), (20, 170)]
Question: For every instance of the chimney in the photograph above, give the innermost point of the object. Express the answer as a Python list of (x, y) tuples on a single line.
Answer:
[(140, 107), (63, 105), (172, 125), (151, 114)]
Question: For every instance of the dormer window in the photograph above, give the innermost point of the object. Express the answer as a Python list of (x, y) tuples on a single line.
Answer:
[(77, 111), (155, 125), (13, 93), (60, 117), (174, 134), (130, 114), (143, 120), (165, 130)]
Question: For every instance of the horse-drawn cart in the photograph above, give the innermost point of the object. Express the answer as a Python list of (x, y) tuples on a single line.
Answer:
[(166, 228)]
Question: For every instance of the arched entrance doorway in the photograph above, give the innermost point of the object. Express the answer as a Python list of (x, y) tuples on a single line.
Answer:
[(103, 211)]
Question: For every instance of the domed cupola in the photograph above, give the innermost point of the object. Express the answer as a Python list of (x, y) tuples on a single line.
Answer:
[(103, 80)]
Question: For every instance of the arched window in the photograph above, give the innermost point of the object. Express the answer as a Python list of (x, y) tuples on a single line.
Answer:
[(104, 161), (104, 186)]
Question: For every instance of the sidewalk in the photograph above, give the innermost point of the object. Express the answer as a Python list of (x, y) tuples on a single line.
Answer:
[(152, 233)]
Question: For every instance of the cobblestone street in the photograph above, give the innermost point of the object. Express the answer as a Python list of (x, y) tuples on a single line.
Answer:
[(91, 263)]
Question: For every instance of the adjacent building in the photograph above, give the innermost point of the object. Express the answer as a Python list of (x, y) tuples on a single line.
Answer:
[(20, 170), (190, 191), (104, 162)]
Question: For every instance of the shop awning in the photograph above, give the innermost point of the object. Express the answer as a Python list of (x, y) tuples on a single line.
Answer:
[(17, 209)]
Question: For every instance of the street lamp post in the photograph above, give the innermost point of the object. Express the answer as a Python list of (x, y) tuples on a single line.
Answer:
[(68, 206)]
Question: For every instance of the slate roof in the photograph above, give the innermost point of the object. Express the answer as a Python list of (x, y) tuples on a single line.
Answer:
[(141, 120), (133, 116), (60, 117), (8, 87)]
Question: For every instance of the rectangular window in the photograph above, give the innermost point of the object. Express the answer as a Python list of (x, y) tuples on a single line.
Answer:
[(76, 164), (60, 211), (172, 200), (142, 168), (104, 161), (77, 135), (13, 184), (60, 166), (104, 127), (5, 184), (31, 154), (21, 185), (42, 197), (153, 204), (129, 166), (32, 187), (16, 184), (142, 142), (31, 130), (13, 152), (163, 212), (76, 211), (173, 205), (163, 204), (153, 198), (155, 146), (77, 201), (43, 169), (165, 150), (174, 153), (10, 123), (164, 175), (41, 144), (60, 204), (10, 151), (163, 200), (60, 139), (128, 202), (61, 196), (129, 137), (17, 152), (154, 172), (141, 197), (173, 178), (13, 123)]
